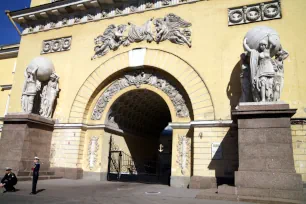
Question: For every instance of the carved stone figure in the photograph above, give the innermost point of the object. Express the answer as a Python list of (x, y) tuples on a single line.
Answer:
[(262, 75), (48, 96), (278, 62), (39, 75), (149, 5), (118, 11), (111, 39), (174, 29), (171, 28), (166, 2), (30, 89), (140, 33), (133, 9)]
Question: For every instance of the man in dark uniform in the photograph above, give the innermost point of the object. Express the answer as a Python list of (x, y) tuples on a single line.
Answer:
[(35, 169), (9, 180)]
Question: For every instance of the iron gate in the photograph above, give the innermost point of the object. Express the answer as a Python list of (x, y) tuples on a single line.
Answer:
[(122, 167)]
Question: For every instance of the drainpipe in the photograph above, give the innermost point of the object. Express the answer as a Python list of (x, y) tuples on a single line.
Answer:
[(14, 24)]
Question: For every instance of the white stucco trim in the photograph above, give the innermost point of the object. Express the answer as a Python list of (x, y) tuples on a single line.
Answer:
[(212, 123), (202, 123), (182, 125), (77, 126)]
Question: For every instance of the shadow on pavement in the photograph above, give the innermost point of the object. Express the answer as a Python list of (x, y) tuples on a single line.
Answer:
[(40, 190)]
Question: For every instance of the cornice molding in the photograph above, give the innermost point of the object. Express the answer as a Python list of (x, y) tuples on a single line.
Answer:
[(68, 13), (9, 52), (6, 87), (298, 121)]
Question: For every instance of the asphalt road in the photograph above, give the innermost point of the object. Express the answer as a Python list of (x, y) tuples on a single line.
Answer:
[(64, 191)]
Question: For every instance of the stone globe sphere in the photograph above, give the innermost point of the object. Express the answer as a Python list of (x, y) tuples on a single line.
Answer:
[(259, 33), (45, 68)]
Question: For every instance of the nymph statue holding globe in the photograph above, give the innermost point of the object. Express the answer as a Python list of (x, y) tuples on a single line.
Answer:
[(262, 66), (30, 88), (40, 75)]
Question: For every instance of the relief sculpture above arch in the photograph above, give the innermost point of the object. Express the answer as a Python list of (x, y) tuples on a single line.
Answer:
[(171, 27), (137, 78)]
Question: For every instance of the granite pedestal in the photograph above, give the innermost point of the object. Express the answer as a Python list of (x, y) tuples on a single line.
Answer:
[(266, 165), (25, 136)]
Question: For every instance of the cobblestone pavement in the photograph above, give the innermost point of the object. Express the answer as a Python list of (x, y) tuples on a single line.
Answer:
[(65, 191)]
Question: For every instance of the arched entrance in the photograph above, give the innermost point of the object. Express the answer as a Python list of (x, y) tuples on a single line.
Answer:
[(136, 109), (142, 117), (163, 73)]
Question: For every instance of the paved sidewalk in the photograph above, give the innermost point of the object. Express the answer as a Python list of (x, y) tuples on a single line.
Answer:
[(65, 191)]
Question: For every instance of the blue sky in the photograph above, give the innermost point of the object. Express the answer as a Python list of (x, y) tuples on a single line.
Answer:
[(8, 34)]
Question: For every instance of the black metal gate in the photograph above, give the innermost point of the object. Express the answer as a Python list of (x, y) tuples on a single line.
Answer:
[(122, 167)]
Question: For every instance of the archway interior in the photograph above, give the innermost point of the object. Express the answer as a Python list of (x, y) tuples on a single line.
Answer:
[(145, 142)]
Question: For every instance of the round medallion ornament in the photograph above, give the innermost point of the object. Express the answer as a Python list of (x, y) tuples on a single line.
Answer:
[(66, 43), (56, 45), (47, 47), (236, 16), (253, 14), (271, 10)]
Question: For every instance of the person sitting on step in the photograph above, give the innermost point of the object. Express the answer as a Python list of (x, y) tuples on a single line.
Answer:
[(9, 180)]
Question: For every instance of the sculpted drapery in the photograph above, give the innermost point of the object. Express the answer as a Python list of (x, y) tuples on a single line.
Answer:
[(262, 66), (40, 75)]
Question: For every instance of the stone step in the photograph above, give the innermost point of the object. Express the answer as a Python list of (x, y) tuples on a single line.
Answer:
[(29, 178), (30, 173)]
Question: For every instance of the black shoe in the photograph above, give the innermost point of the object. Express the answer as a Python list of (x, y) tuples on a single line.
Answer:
[(13, 190), (32, 193)]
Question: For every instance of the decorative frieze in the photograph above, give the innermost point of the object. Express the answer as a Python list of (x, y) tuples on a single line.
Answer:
[(56, 45), (137, 78), (254, 13), (92, 14), (171, 27)]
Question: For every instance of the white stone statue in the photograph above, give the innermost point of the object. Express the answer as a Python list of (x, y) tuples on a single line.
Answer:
[(40, 75), (48, 96), (30, 89), (262, 75)]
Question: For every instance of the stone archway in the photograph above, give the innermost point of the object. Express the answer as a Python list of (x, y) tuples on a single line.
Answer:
[(183, 72), (176, 81)]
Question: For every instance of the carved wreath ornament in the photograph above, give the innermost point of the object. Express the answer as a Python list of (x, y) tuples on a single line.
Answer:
[(171, 27), (183, 153), (137, 78), (93, 148)]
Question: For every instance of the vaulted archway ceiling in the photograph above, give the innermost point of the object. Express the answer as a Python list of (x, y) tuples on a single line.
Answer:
[(141, 112)]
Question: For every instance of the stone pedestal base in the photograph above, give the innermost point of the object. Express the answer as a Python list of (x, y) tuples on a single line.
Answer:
[(266, 165), (202, 182), (179, 181), (25, 136)]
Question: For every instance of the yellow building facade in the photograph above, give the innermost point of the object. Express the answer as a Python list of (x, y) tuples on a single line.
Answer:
[(203, 66), (8, 62)]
